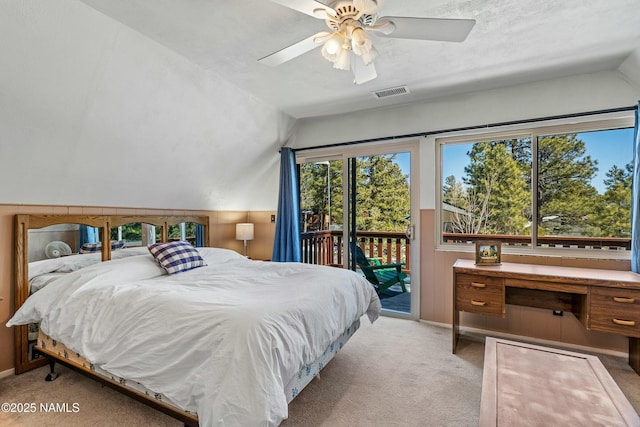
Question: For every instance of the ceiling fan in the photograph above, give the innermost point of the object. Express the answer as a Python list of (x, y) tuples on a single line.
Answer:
[(348, 45)]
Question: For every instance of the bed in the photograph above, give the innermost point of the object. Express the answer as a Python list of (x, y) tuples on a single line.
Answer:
[(233, 341)]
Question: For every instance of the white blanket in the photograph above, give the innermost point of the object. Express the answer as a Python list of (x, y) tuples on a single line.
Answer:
[(220, 340)]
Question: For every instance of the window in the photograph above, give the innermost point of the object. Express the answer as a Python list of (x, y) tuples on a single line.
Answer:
[(548, 187), (183, 231), (132, 234)]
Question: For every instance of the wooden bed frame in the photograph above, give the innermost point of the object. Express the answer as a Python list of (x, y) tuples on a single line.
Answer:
[(105, 222)]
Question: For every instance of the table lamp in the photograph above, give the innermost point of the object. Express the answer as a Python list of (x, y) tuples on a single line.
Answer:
[(244, 231)]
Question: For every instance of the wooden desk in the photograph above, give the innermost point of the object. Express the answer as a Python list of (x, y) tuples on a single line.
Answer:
[(603, 300)]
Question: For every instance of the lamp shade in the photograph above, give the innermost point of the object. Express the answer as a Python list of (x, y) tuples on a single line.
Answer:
[(244, 231)]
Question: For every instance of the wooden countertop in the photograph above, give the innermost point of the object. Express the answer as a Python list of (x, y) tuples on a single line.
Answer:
[(552, 273)]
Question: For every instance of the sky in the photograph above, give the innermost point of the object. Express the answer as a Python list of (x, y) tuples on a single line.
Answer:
[(612, 147), (404, 160)]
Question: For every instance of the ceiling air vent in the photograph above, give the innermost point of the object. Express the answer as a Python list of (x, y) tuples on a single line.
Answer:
[(393, 91)]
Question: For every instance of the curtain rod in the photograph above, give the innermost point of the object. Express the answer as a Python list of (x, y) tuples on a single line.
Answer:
[(487, 126)]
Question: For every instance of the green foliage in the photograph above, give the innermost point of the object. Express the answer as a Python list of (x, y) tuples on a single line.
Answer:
[(133, 232), (495, 195), (612, 216), (315, 195), (499, 182), (174, 231), (130, 232), (383, 194), (564, 184)]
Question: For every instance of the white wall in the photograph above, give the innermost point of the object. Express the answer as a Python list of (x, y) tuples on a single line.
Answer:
[(93, 113)]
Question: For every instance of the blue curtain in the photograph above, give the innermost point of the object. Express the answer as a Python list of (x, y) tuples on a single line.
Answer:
[(87, 234), (635, 199), (199, 235), (286, 247)]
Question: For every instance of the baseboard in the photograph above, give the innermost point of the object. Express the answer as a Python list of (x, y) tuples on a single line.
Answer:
[(477, 334), (7, 373)]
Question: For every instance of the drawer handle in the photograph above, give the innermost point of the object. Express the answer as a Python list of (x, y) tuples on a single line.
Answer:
[(624, 299), (624, 322), (478, 285), (478, 303)]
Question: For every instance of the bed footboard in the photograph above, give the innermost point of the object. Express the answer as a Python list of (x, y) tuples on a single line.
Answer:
[(56, 352)]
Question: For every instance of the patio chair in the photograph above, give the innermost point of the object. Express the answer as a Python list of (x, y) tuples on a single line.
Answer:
[(381, 276)]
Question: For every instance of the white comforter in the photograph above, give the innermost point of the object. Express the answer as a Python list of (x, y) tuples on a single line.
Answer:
[(220, 340)]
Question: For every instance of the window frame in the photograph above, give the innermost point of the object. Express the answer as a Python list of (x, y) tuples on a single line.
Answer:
[(602, 122)]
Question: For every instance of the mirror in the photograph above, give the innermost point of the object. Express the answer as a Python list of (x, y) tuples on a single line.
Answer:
[(136, 234), (54, 251), (46, 245), (194, 229), (187, 231)]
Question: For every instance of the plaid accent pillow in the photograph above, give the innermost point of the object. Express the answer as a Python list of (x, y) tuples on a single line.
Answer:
[(88, 248), (175, 257)]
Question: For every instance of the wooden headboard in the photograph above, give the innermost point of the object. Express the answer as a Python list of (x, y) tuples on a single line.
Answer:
[(23, 223)]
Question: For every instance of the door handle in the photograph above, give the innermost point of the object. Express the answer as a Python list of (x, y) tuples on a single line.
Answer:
[(624, 300), (624, 322), (410, 231)]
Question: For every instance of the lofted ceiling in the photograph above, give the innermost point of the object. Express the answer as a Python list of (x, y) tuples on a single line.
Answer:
[(513, 42)]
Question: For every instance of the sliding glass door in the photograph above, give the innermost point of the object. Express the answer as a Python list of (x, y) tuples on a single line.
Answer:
[(357, 213)]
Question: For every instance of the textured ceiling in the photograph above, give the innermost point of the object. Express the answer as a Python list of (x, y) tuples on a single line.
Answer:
[(513, 41)]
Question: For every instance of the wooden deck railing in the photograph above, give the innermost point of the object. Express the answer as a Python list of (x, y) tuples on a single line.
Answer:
[(602, 243), (324, 247)]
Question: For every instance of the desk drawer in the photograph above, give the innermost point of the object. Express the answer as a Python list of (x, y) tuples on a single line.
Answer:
[(616, 311), (480, 294)]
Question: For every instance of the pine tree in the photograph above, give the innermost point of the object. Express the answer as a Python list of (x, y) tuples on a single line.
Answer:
[(383, 194), (500, 184), (564, 185), (612, 217), (382, 197)]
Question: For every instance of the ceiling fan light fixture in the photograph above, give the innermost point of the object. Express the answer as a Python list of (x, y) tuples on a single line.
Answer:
[(332, 47), (360, 42), (344, 60), (369, 56)]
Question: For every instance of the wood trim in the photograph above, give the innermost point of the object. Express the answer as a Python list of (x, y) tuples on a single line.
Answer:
[(40, 221), (157, 220), (547, 286), (570, 276)]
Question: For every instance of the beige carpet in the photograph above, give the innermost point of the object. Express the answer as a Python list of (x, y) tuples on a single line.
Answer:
[(392, 373)]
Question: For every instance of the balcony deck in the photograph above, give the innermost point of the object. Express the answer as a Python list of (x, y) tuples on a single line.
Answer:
[(323, 248)]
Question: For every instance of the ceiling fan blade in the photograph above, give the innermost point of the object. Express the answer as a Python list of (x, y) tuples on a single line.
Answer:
[(446, 30), (362, 73), (296, 49), (309, 7), (366, 6)]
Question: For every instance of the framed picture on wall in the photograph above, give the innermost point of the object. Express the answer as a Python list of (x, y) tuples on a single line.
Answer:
[(488, 252)]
